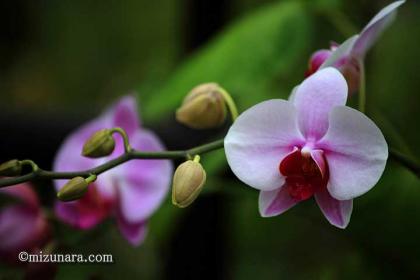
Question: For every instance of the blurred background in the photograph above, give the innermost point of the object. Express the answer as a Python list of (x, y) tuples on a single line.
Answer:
[(63, 62)]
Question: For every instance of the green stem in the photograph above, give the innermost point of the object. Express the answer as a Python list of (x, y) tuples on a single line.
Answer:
[(230, 104), (31, 163), (362, 87), (124, 135), (130, 155), (405, 161)]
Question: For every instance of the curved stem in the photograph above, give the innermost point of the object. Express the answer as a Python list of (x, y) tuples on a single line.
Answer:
[(230, 104), (124, 135), (31, 163), (130, 155)]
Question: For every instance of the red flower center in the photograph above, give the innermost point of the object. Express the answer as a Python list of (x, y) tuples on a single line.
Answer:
[(303, 176)]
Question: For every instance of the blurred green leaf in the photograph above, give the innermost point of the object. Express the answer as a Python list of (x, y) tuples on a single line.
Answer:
[(247, 58)]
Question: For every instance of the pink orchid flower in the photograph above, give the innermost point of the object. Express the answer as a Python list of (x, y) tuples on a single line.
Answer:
[(347, 56), (312, 145), (130, 192), (23, 225)]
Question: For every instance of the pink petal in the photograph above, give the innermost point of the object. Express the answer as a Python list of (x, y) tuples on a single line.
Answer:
[(69, 156), (356, 152), (275, 202), (259, 139), (125, 115), (86, 212), (143, 184), (340, 54), (17, 227), (315, 98), (25, 193), (318, 157), (135, 233), (337, 212), (374, 29)]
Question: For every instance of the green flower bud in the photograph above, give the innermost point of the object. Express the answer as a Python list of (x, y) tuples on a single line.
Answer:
[(189, 179), (100, 144), (204, 107), (73, 189), (11, 168)]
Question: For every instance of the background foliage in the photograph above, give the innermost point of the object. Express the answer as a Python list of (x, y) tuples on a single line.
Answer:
[(63, 61)]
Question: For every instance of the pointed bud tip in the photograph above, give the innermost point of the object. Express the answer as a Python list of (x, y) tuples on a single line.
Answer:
[(11, 168), (73, 189), (204, 107), (100, 144), (188, 181)]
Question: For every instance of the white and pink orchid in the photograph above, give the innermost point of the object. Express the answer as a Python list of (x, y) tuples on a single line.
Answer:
[(348, 56), (131, 192), (311, 145)]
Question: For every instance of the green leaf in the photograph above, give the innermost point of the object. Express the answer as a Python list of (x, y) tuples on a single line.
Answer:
[(247, 58)]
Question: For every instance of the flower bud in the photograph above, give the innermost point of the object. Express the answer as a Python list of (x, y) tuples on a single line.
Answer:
[(100, 144), (188, 181), (11, 168), (73, 189), (204, 107)]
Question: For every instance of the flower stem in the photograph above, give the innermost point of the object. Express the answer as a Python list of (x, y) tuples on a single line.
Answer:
[(132, 154), (405, 161), (230, 104), (124, 135), (362, 87)]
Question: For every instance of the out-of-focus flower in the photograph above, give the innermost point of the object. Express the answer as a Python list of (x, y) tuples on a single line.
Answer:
[(23, 225), (130, 192), (312, 145), (347, 56)]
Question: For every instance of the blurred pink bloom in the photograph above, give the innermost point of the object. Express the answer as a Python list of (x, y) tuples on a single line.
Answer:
[(130, 192), (346, 56), (311, 145), (23, 225)]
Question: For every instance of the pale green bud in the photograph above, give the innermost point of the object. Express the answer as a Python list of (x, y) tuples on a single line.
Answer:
[(188, 180), (100, 144), (11, 168), (73, 189), (204, 107)]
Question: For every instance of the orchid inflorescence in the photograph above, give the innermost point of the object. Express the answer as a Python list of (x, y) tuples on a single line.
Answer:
[(311, 145)]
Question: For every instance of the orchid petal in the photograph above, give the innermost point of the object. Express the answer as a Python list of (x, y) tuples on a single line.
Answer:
[(124, 114), (69, 156), (259, 139), (23, 192), (339, 55), (374, 29), (135, 233), (86, 212), (17, 226), (315, 98), (275, 202), (356, 152), (143, 184), (318, 157), (337, 212)]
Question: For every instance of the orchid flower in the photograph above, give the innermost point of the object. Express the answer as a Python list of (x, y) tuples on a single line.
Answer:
[(312, 145), (131, 192), (348, 56), (23, 225)]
